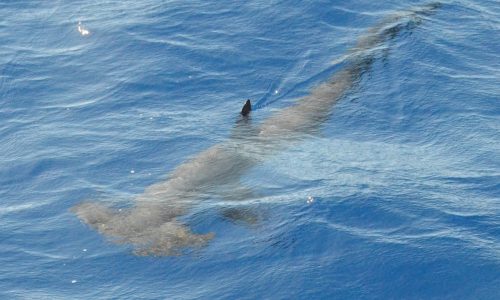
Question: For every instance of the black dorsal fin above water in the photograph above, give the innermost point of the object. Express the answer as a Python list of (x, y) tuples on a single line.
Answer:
[(246, 108)]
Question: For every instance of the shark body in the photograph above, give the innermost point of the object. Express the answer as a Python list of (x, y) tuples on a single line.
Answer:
[(151, 225)]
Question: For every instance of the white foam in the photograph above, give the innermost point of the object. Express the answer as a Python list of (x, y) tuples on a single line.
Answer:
[(82, 30)]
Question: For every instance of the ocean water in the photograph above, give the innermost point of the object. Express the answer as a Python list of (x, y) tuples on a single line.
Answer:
[(397, 196)]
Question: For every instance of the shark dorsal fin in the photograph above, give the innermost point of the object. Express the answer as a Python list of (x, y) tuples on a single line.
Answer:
[(246, 108)]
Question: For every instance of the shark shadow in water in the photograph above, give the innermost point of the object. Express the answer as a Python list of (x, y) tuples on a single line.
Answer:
[(151, 224)]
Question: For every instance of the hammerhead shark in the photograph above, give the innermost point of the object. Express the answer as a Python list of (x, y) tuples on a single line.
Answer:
[(151, 224)]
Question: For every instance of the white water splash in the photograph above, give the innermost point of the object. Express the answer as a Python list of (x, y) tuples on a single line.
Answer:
[(82, 30)]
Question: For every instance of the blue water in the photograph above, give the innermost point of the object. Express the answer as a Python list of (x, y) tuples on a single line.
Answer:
[(404, 176)]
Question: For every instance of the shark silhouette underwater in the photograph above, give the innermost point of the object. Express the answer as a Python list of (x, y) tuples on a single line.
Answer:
[(151, 225)]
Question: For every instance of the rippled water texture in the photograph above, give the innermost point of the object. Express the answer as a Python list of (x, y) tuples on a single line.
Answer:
[(394, 196)]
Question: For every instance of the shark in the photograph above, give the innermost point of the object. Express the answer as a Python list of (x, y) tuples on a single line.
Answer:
[(152, 225)]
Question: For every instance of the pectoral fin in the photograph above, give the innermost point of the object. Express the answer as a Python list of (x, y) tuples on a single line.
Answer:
[(242, 215), (169, 239), (146, 232)]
